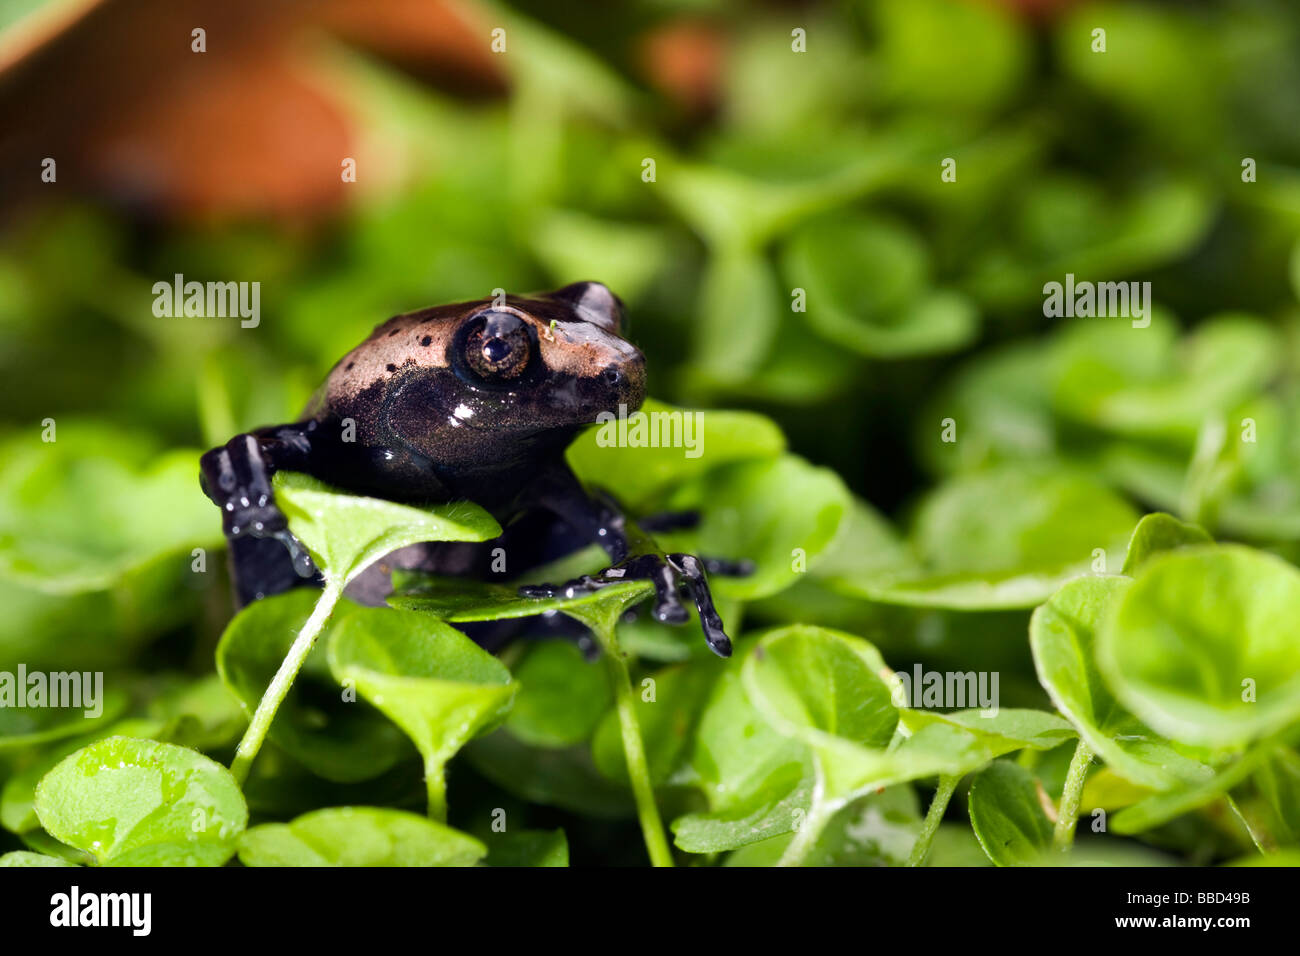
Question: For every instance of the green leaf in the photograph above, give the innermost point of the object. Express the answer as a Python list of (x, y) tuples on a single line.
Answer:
[(1006, 815), (818, 685), (18, 796), (564, 778), (1006, 537), (1063, 638), (1069, 225), (27, 858), (1147, 382), (34, 724), (865, 544), (1278, 782), (782, 514), (1160, 69), (561, 698), (1204, 646), (877, 829), (830, 692), (640, 475), (999, 730), (528, 848), (358, 836), (1162, 807), (739, 314), (956, 845), (736, 212), (824, 689), (866, 284), (962, 57), (202, 714), (457, 599), (96, 505), (133, 802), (778, 806), (1160, 532), (97, 630), (757, 782), (336, 739), (999, 404), (575, 246), (346, 533), (440, 687), (1283, 858)]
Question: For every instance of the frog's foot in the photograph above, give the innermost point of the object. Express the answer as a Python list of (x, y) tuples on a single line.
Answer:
[(237, 480), (670, 574)]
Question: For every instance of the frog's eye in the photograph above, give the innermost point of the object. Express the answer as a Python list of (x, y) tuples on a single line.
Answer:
[(498, 345)]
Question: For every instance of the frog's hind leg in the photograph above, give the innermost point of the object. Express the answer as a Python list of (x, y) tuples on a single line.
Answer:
[(261, 567)]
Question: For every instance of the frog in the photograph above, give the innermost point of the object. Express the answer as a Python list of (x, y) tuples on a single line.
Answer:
[(474, 401)]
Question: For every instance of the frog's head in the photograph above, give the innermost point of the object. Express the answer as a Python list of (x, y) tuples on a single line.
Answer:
[(491, 383), (553, 361)]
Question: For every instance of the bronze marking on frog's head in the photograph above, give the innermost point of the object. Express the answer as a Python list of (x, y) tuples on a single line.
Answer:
[(493, 382)]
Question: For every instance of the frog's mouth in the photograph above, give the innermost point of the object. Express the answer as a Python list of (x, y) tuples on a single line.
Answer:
[(617, 389)]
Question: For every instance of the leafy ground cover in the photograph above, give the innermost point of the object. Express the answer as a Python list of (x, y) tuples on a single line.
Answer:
[(932, 475)]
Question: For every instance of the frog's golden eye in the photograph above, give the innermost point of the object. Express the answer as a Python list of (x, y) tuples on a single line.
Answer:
[(498, 345)]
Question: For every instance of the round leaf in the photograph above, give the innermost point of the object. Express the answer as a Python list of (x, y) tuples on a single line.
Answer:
[(1006, 815), (358, 836), (639, 475), (1205, 645), (1160, 532), (1063, 638), (561, 698), (133, 802), (346, 533), (440, 687), (1006, 537)]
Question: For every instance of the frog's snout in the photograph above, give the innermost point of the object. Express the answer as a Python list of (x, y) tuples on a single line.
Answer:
[(625, 381)]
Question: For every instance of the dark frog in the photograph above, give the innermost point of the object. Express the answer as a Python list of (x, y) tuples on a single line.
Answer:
[(477, 401)]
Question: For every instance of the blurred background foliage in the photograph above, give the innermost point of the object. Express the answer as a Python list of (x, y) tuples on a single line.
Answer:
[(774, 171)]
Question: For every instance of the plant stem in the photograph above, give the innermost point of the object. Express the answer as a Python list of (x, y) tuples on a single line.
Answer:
[(638, 769), (260, 724), (1067, 814), (933, 817), (435, 783), (805, 838)]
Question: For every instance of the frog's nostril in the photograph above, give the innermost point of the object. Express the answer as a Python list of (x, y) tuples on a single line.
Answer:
[(612, 376)]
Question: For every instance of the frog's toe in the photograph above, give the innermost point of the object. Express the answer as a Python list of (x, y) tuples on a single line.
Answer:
[(260, 518), (692, 571), (668, 607), (302, 561)]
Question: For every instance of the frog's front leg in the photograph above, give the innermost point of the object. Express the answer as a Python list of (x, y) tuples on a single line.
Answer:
[(237, 477), (634, 555)]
